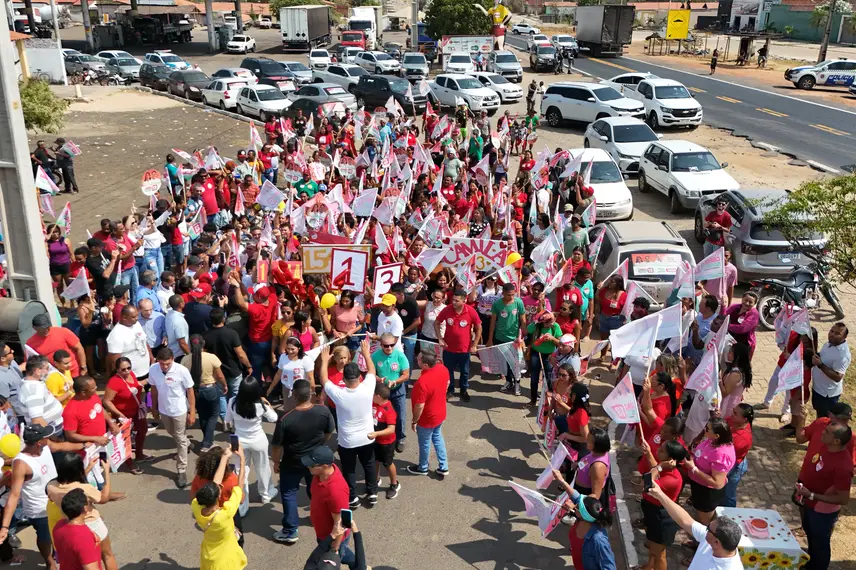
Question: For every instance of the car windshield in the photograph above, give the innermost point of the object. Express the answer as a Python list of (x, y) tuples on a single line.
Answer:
[(382, 57), (346, 37), (319, 53), (539, 38), (194, 76), (506, 58), (352, 51), (335, 90), (398, 85), (671, 92), (607, 94), (469, 83), (239, 38), (604, 172), (497, 79), (565, 39), (171, 58), (270, 94), (417, 59), (546, 50), (633, 133), (460, 58), (360, 25), (126, 61), (297, 66), (357, 71), (272, 68), (88, 58), (694, 162), (651, 265)]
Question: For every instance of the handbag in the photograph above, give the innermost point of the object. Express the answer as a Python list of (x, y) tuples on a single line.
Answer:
[(142, 410)]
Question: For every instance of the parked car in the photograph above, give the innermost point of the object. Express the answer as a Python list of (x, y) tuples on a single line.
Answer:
[(542, 57), (683, 171), (561, 42), (261, 101), (374, 91), (325, 93), (237, 73), (70, 51), (393, 50), (654, 250), (115, 54), (624, 138), (377, 62), (319, 59), (832, 73), (667, 103), (414, 66), (506, 64), (264, 22), (343, 74), (458, 63), (614, 200), (270, 72), (537, 40), (507, 91), (223, 92), (757, 250), (586, 102), (301, 73), (126, 67), (84, 62), (167, 58), (241, 44), (188, 83), (523, 28), (627, 81), (349, 55), (448, 89), (155, 75)]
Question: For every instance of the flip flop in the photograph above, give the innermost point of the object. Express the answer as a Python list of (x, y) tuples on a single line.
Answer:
[(16, 560)]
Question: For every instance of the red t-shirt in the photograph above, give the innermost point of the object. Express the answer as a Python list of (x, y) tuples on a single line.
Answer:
[(337, 377), (569, 293), (86, 417), (76, 545), (655, 440), (262, 318), (209, 198), (128, 245), (815, 430), (567, 324), (328, 498), (230, 481), (459, 327), (58, 338), (724, 220), (611, 307), (792, 344), (663, 409), (448, 192), (577, 420), (742, 440), (126, 396), (576, 545), (670, 482), (430, 389), (384, 416), (75, 268), (825, 470)]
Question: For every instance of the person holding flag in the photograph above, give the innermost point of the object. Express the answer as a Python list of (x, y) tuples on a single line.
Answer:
[(59, 257), (545, 334), (609, 305)]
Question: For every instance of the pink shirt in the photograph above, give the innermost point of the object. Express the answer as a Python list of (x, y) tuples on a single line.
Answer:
[(531, 306), (709, 458), (718, 287)]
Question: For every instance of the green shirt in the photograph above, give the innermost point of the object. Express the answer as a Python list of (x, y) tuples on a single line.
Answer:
[(507, 319), (587, 289), (576, 239), (531, 122), (545, 347), (389, 367), (476, 147), (310, 187)]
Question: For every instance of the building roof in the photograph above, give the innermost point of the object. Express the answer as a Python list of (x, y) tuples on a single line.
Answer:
[(807, 5), (15, 36), (246, 7), (696, 5)]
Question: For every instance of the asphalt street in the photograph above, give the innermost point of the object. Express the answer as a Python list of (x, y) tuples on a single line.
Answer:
[(808, 130)]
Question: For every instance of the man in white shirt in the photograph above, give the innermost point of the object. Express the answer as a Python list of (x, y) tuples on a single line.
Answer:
[(355, 419), (389, 321), (165, 290), (718, 541), (827, 372), (128, 339), (174, 403), (35, 401), (10, 373)]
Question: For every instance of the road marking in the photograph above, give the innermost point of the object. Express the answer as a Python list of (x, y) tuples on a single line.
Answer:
[(609, 63), (728, 99), (771, 112), (823, 167), (767, 146), (696, 90), (830, 130)]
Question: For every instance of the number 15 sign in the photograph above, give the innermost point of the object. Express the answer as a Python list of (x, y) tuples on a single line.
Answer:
[(384, 277), (348, 270)]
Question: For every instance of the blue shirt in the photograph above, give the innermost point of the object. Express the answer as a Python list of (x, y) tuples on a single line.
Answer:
[(154, 327), (692, 352), (151, 295), (172, 170), (176, 328), (596, 550)]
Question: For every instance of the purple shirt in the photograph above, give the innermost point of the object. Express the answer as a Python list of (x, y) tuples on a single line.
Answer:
[(719, 287)]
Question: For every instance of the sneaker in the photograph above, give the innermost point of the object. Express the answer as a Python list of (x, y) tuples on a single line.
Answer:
[(761, 406), (785, 419), (181, 481), (392, 491), (399, 446), (355, 503), (517, 390), (506, 389), (414, 470), (14, 541), (788, 427), (465, 396), (372, 499), (442, 472), (449, 396), (285, 537)]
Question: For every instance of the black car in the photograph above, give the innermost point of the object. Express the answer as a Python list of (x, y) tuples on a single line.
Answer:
[(270, 72), (155, 75), (393, 50), (373, 91), (542, 57), (188, 83)]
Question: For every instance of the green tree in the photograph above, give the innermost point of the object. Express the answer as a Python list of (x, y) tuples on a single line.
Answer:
[(275, 5), (454, 17), (820, 15), (825, 207), (43, 110)]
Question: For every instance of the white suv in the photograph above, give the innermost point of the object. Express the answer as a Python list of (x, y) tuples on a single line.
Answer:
[(667, 103), (524, 28), (377, 62), (586, 102), (837, 73), (683, 171)]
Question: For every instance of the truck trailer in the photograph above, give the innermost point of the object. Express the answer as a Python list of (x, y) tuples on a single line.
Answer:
[(304, 27), (605, 30)]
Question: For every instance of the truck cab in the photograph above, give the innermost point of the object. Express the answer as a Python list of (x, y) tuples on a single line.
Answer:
[(353, 38)]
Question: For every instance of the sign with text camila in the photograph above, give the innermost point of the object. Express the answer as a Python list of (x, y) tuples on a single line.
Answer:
[(316, 257), (490, 254)]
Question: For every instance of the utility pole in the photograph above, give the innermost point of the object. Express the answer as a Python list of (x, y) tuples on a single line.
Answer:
[(824, 45), (55, 18), (87, 26), (209, 16), (414, 26)]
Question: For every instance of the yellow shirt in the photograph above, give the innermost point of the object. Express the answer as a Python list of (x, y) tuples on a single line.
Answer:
[(220, 549), (59, 384)]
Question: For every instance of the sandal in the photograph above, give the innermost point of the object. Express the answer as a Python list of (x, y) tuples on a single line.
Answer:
[(135, 470), (16, 560)]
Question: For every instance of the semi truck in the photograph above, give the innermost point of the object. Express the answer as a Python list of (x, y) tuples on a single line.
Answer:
[(605, 30), (371, 21), (304, 27)]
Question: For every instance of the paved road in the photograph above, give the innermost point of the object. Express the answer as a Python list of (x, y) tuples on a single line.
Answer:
[(806, 129)]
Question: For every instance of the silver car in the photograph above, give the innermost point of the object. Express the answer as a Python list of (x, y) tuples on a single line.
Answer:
[(84, 62), (505, 64), (414, 66), (128, 68), (325, 93), (300, 71)]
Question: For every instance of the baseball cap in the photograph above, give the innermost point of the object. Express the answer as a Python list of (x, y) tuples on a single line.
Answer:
[(388, 300), (321, 455), (36, 432), (201, 291), (568, 339), (569, 207), (41, 321)]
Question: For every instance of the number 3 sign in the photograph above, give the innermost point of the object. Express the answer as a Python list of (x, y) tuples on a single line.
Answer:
[(348, 270), (384, 277)]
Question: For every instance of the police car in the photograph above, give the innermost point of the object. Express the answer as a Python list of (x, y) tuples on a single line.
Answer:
[(166, 57), (839, 72)]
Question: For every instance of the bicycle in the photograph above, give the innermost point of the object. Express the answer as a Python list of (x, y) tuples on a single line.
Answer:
[(37, 75)]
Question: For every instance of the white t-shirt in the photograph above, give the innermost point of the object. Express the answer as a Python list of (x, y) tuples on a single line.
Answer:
[(249, 429), (163, 297), (837, 358), (391, 325), (639, 366), (704, 558), (294, 369), (431, 312), (172, 388), (130, 342), (354, 411)]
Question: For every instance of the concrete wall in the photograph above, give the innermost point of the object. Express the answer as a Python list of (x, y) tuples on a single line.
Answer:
[(43, 55), (781, 16)]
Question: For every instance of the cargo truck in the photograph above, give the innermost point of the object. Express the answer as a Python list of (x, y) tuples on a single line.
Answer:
[(604, 30), (371, 21), (304, 27)]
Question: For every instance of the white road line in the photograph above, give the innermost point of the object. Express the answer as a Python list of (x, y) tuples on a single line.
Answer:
[(797, 99), (823, 167), (767, 146), (625, 526)]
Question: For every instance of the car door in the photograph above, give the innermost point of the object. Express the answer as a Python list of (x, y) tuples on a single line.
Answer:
[(452, 91), (637, 91), (211, 92), (440, 89), (650, 162), (587, 104), (604, 129), (254, 104)]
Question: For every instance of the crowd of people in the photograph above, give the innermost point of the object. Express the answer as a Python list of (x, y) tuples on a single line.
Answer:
[(207, 307)]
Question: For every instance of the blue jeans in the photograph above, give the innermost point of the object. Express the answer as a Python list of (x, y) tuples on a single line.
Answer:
[(207, 406), (132, 280), (289, 483), (536, 359), (409, 344), (140, 264), (233, 384), (398, 398), (154, 261), (734, 476), (270, 174), (818, 532), (823, 404), (457, 361), (259, 355), (427, 437)]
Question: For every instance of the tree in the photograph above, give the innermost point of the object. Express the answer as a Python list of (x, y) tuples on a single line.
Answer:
[(456, 17), (820, 15), (826, 207), (275, 5), (43, 110)]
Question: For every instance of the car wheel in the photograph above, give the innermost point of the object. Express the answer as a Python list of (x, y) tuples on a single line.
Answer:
[(806, 82), (222, 104), (554, 117), (187, 94), (675, 206), (239, 109), (515, 32), (317, 80), (378, 71), (698, 228), (601, 116), (586, 143), (652, 121), (643, 183)]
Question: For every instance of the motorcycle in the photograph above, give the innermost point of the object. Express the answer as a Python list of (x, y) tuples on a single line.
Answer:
[(805, 287), (114, 79)]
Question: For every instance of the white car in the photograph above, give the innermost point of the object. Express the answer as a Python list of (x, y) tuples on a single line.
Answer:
[(236, 72), (167, 58), (667, 103), (507, 91), (562, 41), (223, 92), (70, 51), (319, 59), (265, 22), (116, 54), (344, 74), (450, 89), (261, 101), (458, 63), (683, 171), (627, 81), (586, 102), (614, 201), (241, 44), (624, 138), (377, 62), (524, 28), (831, 73), (350, 54), (537, 40)]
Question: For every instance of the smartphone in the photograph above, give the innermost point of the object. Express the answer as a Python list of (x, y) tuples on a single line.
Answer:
[(102, 455), (233, 441), (647, 481), (347, 518)]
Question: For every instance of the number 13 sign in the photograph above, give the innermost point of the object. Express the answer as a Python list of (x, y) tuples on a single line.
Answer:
[(348, 270), (384, 277)]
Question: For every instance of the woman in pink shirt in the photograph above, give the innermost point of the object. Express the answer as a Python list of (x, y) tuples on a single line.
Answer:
[(708, 468)]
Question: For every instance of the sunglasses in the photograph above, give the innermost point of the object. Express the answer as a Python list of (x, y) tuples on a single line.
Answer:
[(128, 369), (388, 346)]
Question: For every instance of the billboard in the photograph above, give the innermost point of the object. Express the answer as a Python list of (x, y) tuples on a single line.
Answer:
[(466, 44)]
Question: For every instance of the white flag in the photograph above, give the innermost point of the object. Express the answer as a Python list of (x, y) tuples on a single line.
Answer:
[(536, 505), (78, 287), (45, 182), (791, 374), (546, 477), (545, 250), (380, 240), (621, 403), (634, 337), (385, 213), (801, 322), (711, 267), (363, 204), (705, 373), (430, 258)]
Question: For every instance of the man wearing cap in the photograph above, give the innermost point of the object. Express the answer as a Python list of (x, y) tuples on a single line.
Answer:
[(325, 557), (35, 402), (197, 312), (128, 339), (65, 161), (177, 331), (262, 313), (459, 340), (174, 403), (389, 321), (49, 339), (394, 370)]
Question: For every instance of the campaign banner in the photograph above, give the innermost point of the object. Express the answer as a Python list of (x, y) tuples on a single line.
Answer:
[(151, 182), (292, 176), (348, 269), (317, 257), (269, 196), (347, 167), (621, 404), (545, 479), (384, 277), (791, 374), (71, 148), (711, 267), (119, 446), (489, 254)]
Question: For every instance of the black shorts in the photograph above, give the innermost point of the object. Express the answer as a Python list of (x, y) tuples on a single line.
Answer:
[(704, 498), (384, 453), (60, 268), (659, 526)]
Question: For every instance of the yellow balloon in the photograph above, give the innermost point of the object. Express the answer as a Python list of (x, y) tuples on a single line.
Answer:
[(328, 300), (512, 258), (10, 445)]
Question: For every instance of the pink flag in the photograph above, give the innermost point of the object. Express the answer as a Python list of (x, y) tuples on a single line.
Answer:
[(467, 275), (47, 204), (64, 219), (360, 235), (430, 258), (632, 292), (45, 182), (621, 404), (705, 373), (380, 240), (711, 267), (535, 504), (255, 139), (590, 215), (587, 175)]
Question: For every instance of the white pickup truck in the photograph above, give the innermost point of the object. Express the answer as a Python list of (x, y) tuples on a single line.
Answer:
[(449, 89), (345, 74)]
